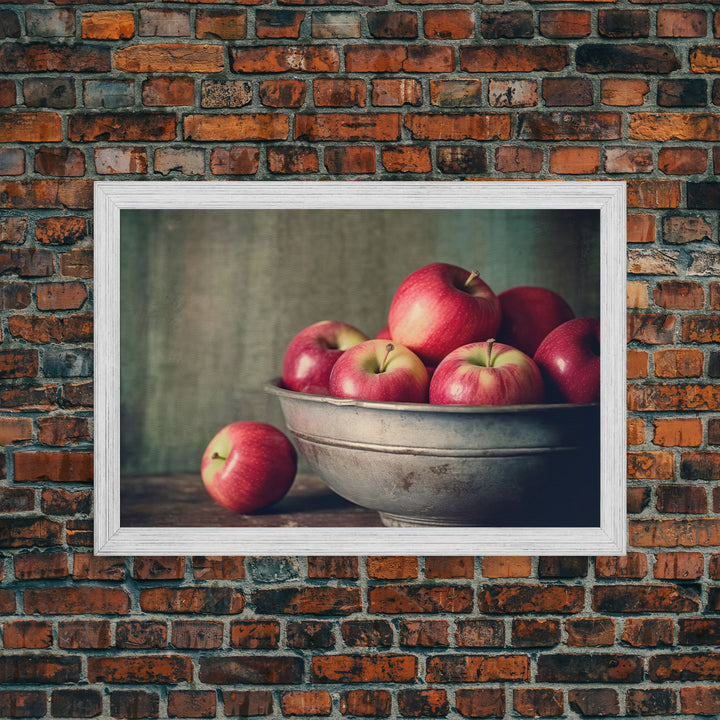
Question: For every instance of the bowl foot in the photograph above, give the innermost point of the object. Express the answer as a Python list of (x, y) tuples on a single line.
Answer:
[(391, 520)]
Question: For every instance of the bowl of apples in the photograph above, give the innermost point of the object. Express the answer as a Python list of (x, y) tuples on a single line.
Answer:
[(438, 423)]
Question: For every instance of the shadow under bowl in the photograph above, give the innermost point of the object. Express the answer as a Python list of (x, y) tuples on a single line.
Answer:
[(453, 465)]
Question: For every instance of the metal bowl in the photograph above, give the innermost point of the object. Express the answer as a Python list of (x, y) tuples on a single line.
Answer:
[(459, 465)]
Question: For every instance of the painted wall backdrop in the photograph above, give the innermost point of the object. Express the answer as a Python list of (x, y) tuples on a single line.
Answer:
[(372, 89)]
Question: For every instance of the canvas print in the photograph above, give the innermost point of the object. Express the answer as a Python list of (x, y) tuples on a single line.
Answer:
[(360, 368)]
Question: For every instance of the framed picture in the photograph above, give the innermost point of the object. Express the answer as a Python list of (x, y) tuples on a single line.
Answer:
[(201, 286)]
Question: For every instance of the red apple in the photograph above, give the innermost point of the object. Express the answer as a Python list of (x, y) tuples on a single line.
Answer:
[(380, 370), (529, 314), (486, 373), (440, 307), (311, 354), (384, 334), (569, 359), (248, 466)]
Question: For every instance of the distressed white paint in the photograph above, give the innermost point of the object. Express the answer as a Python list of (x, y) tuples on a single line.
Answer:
[(111, 539)]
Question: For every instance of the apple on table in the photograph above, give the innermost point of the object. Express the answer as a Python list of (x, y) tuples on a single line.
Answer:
[(440, 307), (248, 466), (528, 314), (380, 370), (311, 354), (569, 359), (486, 373)]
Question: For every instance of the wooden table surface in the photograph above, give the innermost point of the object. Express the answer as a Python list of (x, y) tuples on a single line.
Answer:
[(182, 501)]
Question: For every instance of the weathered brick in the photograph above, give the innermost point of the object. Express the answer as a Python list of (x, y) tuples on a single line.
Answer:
[(682, 93), (461, 159), (225, 93), (120, 161), (678, 566), (609, 58), (449, 567), (681, 23), (653, 701), (480, 702), (39, 669), (308, 702), (595, 702), (628, 160), (191, 703), (366, 703), (223, 128), (108, 25), (367, 127), (648, 632), (480, 633), (278, 23), (417, 598), (664, 126), (700, 700), (236, 160), (30, 127), (399, 24), (18, 363), (166, 669), (367, 633), (448, 24), (518, 159), (163, 22), (47, 57), (563, 566), (455, 93), (682, 362), (247, 703), (589, 668), (454, 668), (395, 92), (684, 666), (513, 58), (623, 93), (121, 127), (77, 600), (228, 24), (23, 703), (12, 161), (511, 93), (219, 600), (679, 294), (27, 634), (530, 598), (108, 93), (350, 160), (168, 91), (336, 24), (9, 24), (430, 702), (569, 126), (169, 57), (197, 634), (574, 160), (669, 432), (406, 159), (652, 328), (623, 23), (573, 92), (282, 93), (186, 162), (218, 567), (134, 704), (60, 162), (560, 24), (541, 632), (653, 261), (496, 566), (513, 24), (475, 126), (637, 295), (14, 500), (281, 58), (538, 702), (258, 669), (331, 92), (13, 230)]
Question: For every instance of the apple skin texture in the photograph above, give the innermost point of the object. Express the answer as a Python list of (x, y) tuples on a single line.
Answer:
[(529, 314), (569, 359), (464, 377), (434, 311), (311, 354), (256, 467), (359, 374)]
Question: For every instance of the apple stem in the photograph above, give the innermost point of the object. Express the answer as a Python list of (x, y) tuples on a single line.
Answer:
[(388, 349), (217, 456), (471, 277), (490, 343)]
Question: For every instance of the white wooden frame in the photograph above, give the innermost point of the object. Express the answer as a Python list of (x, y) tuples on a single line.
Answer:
[(112, 539)]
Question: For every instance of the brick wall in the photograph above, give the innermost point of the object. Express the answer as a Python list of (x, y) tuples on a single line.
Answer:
[(369, 89)]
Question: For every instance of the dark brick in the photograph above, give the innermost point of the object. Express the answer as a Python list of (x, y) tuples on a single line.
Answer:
[(461, 159), (527, 633), (367, 633), (515, 24), (23, 703), (46, 57), (624, 23), (39, 669), (9, 24), (608, 58), (307, 601), (132, 634), (252, 634), (590, 668), (569, 126), (134, 704), (392, 24), (682, 93), (595, 702), (309, 634), (573, 92), (76, 703), (653, 701), (571, 566), (703, 195), (423, 633), (234, 669)]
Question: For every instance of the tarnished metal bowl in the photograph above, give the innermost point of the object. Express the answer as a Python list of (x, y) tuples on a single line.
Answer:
[(421, 464)]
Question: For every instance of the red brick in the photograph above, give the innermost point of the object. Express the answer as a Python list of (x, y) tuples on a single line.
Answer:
[(480, 702), (43, 194), (53, 467), (653, 194), (76, 263), (461, 159), (700, 700), (238, 160), (224, 93), (513, 58), (538, 702), (23, 703), (251, 126), (120, 161), (667, 126), (644, 598), (686, 532), (476, 126), (590, 668), (624, 93), (61, 296), (366, 703), (530, 598), (218, 568), (633, 565), (573, 92), (368, 633), (648, 632), (15, 430), (29, 397), (529, 633), (565, 23), (367, 127), (423, 633), (37, 668), (699, 631), (27, 262), (678, 566), (651, 464), (350, 159), (701, 329), (13, 230), (628, 160), (76, 600), (598, 702), (679, 295), (331, 92), (590, 632), (309, 634), (702, 465), (108, 25), (518, 159), (121, 127), (159, 568), (219, 600), (381, 567), (7, 602), (60, 430), (248, 703), (396, 92), (136, 634), (449, 567), (87, 566), (682, 160), (363, 668), (500, 566), (282, 58), (30, 127), (254, 635), (169, 57), (669, 432), (448, 24), (7, 93), (681, 23), (61, 230), (480, 633), (640, 228), (635, 431), (652, 328), (197, 634), (16, 500), (574, 160), (417, 598), (512, 93), (168, 91), (191, 703), (315, 600), (27, 634), (406, 159), (581, 126), (282, 93), (681, 363), (456, 93), (167, 669), (398, 58), (477, 668), (41, 329), (18, 363), (40, 565), (278, 24), (308, 702)]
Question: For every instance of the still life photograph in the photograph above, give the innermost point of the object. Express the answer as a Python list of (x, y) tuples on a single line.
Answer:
[(364, 366)]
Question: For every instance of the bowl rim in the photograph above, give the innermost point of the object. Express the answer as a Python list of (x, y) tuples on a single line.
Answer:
[(274, 387)]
